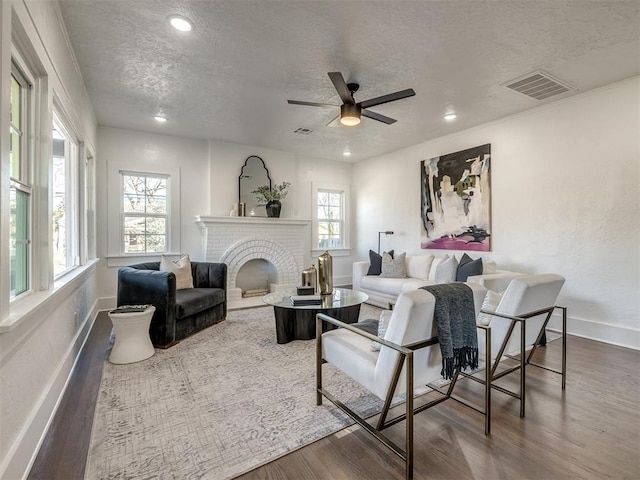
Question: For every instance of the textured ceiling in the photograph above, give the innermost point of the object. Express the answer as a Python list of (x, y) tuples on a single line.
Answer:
[(230, 78)]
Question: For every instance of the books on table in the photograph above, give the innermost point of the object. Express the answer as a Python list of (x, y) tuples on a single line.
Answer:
[(301, 300)]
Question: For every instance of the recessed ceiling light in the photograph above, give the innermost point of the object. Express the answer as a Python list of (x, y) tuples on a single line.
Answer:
[(449, 117), (180, 23), (160, 119), (346, 153)]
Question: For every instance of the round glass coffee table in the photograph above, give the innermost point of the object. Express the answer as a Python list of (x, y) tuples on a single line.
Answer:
[(298, 322)]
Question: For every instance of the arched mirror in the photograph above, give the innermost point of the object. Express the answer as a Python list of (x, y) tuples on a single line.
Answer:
[(253, 174)]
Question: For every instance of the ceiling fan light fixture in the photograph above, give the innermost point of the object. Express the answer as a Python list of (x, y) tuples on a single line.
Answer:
[(350, 114)]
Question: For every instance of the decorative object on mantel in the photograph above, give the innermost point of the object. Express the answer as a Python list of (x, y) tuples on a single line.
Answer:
[(253, 174), (239, 210), (325, 273), (456, 200), (271, 196)]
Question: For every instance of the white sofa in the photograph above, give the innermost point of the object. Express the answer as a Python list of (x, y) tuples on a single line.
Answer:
[(422, 270)]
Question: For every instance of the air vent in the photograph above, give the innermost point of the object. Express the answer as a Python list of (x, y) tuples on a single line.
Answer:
[(538, 85), (303, 131)]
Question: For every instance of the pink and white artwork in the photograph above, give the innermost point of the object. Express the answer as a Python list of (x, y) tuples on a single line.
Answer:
[(456, 200)]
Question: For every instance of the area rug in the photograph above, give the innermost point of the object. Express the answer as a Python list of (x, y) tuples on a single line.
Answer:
[(218, 404)]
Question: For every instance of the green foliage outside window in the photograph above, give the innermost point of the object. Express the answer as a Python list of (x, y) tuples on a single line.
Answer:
[(145, 217)]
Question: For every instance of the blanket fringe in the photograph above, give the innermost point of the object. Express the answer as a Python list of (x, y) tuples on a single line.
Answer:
[(463, 358)]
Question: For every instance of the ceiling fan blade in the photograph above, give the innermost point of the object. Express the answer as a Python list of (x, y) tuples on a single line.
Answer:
[(341, 87), (388, 98), (377, 116), (311, 104)]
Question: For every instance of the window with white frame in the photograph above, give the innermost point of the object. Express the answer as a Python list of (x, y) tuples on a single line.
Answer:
[(65, 199), (330, 217), (20, 202), (144, 212)]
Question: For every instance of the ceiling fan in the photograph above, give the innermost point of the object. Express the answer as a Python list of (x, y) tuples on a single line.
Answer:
[(350, 111)]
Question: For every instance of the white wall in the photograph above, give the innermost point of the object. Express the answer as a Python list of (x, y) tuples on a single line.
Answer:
[(147, 152), (564, 199), (40, 340)]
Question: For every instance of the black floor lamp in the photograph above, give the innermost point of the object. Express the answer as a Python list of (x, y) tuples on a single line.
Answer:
[(388, 232)]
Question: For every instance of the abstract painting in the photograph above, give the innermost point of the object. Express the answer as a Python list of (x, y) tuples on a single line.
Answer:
[(456, 200)]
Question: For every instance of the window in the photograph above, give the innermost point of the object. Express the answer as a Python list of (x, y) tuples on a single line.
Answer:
[(20, 185), (65, 194), (330, 217), (145, 219)]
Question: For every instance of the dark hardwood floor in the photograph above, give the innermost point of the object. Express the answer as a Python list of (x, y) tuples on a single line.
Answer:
[(589, 431)]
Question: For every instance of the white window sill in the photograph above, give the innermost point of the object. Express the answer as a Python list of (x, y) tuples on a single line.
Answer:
[(31, 303), (334, 252), (124, 260)]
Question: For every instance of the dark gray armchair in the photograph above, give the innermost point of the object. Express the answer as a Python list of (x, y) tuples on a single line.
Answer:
[(179, 313)]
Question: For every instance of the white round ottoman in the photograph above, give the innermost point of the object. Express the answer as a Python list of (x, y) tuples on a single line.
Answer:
[(132, 343)]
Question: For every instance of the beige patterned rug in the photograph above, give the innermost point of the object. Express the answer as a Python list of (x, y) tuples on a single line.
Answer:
[(217, 405)]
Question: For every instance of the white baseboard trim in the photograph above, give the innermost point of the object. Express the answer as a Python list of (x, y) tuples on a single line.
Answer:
[(107, 303), (599, 331), (25, 449)]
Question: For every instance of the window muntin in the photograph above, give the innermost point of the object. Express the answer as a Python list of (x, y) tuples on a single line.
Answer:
[(20, 186), (145, 218), (330, 219)]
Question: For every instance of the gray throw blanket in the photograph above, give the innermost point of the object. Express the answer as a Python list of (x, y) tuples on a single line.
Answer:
[(456, 322)]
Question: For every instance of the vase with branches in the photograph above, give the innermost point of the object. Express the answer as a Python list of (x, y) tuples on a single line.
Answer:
[(271, 196)]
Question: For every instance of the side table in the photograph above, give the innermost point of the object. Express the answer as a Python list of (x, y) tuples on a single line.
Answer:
[(132, 343)]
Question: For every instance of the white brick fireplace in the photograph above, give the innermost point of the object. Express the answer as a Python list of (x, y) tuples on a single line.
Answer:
[(284, 243)]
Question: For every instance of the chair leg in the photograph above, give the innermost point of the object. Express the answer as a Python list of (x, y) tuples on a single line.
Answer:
[(564, 346), (523, 363), (487, 384), (410, 413), (318, 362), (389, 398)]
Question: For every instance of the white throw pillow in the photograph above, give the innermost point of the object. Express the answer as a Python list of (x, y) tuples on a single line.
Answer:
[(490, 303), (434, 266), (446, 270), (385, 316), (488, 267), (394, 267), (182, 269), (418, 266)]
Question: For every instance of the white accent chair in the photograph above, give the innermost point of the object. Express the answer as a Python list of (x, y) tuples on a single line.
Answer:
[(517, 325), (409, 355)]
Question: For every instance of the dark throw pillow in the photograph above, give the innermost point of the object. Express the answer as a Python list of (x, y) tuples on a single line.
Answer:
[(468, 267), (375, 262)]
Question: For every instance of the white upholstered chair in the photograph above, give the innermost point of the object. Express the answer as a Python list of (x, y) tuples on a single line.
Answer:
[(517, 325), (410, 356)]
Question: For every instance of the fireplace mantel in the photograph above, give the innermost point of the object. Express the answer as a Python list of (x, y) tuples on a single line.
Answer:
[(202, 221)]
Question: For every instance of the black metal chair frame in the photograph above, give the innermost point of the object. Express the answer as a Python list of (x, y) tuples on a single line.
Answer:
[(406, 356), (523, 358)]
